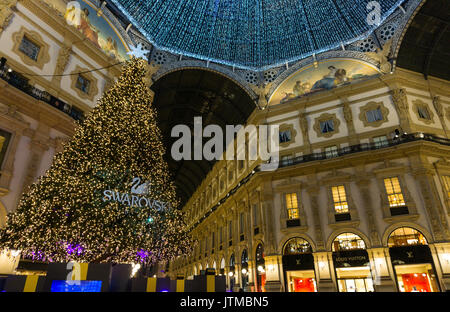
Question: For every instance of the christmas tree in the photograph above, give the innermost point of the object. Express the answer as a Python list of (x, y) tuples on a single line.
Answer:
[(108, 196)]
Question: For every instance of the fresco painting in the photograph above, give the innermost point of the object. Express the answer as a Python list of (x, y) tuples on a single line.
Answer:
[(95, 28), (328, 75)]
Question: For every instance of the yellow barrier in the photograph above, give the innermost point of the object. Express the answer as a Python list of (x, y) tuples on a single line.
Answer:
[(180, 285), (210, 283), (31, 283), (151, 284)]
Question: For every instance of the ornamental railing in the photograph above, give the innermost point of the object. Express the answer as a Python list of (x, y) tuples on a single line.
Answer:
[(400, 139), (18, 81)]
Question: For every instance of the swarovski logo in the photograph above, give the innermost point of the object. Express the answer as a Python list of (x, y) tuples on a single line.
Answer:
[(410, 254), (138, 188), (141, 190)]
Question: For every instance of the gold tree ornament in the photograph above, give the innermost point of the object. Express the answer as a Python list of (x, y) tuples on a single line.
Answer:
[(83, 208)]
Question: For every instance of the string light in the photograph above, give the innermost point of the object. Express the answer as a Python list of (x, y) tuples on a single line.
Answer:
[(252, 35), (64, 216)]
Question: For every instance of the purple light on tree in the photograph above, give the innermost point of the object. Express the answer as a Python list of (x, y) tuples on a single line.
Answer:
[(143, 254)]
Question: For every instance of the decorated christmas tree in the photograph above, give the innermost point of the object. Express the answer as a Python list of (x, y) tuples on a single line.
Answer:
[(108, 196)]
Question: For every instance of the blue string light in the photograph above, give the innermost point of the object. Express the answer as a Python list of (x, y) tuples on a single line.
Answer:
[(252, 34)]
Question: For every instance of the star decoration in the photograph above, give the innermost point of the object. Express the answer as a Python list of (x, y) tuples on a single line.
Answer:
[(138, 52)]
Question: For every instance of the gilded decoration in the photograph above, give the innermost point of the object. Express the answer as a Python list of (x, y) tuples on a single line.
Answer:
[(323, 118), (373, 106), (6, 13), (93, 89), (419, 104), (43, 56)]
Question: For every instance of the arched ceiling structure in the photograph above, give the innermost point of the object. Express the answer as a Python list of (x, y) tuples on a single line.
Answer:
[(254, 34), (425, 47), (184, 94)]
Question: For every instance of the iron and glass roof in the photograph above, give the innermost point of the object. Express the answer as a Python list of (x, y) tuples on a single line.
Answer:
[(254, 34)]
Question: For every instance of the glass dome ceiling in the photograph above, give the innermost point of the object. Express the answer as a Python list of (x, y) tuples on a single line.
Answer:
[(253, 34)]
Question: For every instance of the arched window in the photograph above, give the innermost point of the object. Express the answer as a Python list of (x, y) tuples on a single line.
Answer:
[(232, 261), (259, 254), (296, 246), (244, 258), (222, 263), (406, 236), (348, 241)]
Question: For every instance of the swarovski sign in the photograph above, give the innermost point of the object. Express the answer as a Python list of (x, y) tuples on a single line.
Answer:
[(137, 196)]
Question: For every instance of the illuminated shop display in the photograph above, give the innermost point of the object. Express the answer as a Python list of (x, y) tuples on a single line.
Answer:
[(298, 266), (244, 269), (352, 265), (260, 269), (412, 261), (264, 33)]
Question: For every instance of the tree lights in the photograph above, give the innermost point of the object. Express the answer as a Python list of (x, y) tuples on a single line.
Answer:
[(65, 215)]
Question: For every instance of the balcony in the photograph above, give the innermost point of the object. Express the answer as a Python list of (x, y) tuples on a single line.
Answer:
[(364, 147), (18, 81)]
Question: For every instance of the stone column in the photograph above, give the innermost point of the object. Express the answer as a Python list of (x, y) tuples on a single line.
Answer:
[(273, 269), (61, 63), (324, 271), (440, 112), (304, 126), (352, 136), (363, 183), (313, 192), (7, 8), (437, 214), (383, 280), (401, 105), (37, 149), (441, 252)]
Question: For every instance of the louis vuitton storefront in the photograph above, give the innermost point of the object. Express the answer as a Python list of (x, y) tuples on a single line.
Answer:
[(412, 261), (351, 263), (298, 266)]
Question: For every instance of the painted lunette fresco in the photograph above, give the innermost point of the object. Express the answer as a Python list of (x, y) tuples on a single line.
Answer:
[(329, 74), (97, 29)]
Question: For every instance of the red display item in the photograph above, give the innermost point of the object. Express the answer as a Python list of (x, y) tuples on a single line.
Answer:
[(416, 282), (304, 285)]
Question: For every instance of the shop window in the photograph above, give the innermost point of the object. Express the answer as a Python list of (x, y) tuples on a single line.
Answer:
[(327, 126), (298, 265), (348, 241), (380, 141), (412, 261), (394, 192), (260, 269), (83, 84), (285, 136), (406, 236), (292, 206), (29, 48), (331, 151), (244, 271), (5, 137), (446, 180), (374, 115), (339, 199), (352, 265)]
